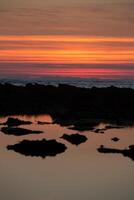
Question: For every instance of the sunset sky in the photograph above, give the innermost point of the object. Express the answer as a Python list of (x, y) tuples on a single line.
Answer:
[(79, 38)]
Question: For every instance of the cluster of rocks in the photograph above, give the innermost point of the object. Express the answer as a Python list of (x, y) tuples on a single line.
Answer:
[(80, 109), (40, 148)]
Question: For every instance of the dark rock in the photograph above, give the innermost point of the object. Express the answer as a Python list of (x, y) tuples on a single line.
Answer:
[(125, 152), (113, 127), (99, 130), (43, 123), (75, 138), (18, 131), (69, 104), (16, 122), (102, 130), (84, 125), (81, 128), (115, 139), (39, 148)]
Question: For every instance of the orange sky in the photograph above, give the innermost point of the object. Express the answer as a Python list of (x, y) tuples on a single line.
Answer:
[(92, 38), (67, 51)]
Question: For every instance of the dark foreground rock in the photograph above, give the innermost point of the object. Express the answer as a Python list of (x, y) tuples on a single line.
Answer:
[(75, 138), (18, 131), (39, 148), (68, 104), (125, 152), (16, 122)]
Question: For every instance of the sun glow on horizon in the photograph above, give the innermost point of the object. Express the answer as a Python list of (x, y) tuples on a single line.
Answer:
[(67, 50)]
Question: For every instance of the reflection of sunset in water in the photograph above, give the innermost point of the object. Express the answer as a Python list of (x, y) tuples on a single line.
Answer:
[(81, 167), (32, 118), (55, 131)]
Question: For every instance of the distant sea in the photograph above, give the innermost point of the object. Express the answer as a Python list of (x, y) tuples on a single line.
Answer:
[(79, 82)]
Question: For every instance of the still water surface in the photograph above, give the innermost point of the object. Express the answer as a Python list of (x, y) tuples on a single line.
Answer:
[(81, 172)]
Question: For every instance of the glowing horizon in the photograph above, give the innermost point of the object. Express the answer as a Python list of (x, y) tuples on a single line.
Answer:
[(66, 51)]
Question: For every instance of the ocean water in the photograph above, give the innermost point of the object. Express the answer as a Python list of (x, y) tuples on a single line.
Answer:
[(81, 172), (79, 82)]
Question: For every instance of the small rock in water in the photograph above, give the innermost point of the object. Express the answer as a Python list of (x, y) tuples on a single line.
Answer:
[(18, 131), (115, 139), (75, 138)]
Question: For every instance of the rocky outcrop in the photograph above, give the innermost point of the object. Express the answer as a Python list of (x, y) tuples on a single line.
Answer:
[(75, 138), (39, 148)]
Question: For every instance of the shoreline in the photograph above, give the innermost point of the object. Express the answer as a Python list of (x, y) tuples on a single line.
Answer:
[(73, 81), (69, 105)]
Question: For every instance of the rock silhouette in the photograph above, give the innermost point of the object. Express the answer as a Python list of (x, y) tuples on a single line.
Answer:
[(84, 125), (68, 104), (102, 130), (18, 131), (113, 127), (75, 138), (43, 123), (125, 152), (16, 122), (39, 148), (99, 130), (115, 139)]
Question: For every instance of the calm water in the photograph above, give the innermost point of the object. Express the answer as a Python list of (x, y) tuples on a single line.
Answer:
[(79, 173), (79, 82)]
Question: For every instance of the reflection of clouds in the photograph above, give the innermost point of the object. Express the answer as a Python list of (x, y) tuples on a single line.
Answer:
[(92, 19)]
